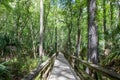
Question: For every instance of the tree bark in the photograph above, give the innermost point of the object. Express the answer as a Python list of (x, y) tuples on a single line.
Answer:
[(78, 37), (104, 16), (55, 39), (119, 14), (70, 27), (92, 35), (33, 42), (46, 13), (111, 13), (41, 30), (104, 25)]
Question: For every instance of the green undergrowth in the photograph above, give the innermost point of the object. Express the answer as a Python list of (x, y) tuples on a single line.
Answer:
[(17, 68), (112, 61), (4, 73), (110, 58)]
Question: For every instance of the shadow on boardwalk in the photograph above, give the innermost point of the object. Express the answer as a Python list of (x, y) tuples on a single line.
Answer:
[(62, 70)]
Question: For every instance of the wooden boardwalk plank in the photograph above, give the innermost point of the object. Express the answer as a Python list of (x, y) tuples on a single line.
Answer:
[(62, 70)]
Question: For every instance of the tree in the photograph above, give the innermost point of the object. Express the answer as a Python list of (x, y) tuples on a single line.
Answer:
[(41, 29), (69, 24), (56, 40), (78, 35), (104, 16), (92, 33), (111, 13)]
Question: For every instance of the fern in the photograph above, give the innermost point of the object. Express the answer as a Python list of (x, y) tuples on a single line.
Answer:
[(4, 73), (112, 57)]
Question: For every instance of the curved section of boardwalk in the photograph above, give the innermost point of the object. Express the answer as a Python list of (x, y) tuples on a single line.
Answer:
[(62, 70)]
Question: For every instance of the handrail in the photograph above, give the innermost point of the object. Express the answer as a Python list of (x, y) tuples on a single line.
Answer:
[(41, 67), (80, 72), (109, 74)]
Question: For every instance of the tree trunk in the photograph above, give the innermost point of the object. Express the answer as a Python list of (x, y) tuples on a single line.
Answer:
[(78, 37), (33, 42), (41, 30), (69, 40), (69, 25), (119, 14), (111, 13), (56, 39), (104, 17), (46, 13), (92, 35), (109, 44), (104, 25)]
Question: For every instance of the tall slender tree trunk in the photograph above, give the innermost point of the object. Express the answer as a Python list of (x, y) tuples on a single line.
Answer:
[(69, 25), (112, 27), (41, 53), (104, 25), (111, 13), (104, 16), (69, 40), (78, 37), (119, 13), (56, 39), (92, 35), (46, 13), (33, 42)]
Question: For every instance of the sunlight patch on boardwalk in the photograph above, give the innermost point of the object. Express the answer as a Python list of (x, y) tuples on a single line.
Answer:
[(62, 70)]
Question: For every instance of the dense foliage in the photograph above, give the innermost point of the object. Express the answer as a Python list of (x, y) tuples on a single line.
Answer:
[(19, 32)]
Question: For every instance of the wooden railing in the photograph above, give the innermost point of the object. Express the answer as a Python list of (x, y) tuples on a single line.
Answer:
[(42, 71), (80, 69)]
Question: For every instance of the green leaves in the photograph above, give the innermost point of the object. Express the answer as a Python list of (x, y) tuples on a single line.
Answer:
[(2, 41), (4, 6), (4, 73)]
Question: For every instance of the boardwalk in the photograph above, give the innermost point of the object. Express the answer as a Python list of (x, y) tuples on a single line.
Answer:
[(62, 70)]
